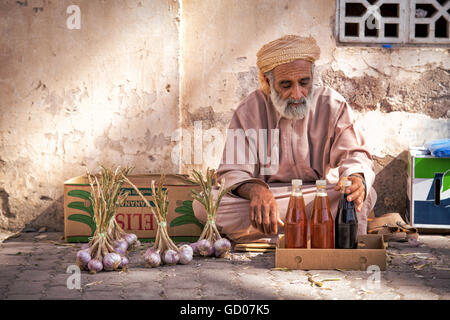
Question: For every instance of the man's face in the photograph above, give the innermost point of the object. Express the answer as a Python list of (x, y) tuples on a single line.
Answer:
[(293, 79), (291, 88)]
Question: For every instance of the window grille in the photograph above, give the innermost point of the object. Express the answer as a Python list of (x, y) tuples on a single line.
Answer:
[(394, 21)]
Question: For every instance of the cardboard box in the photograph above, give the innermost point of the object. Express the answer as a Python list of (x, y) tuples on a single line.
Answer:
[(372, 252), (428, 190), (134, 216)]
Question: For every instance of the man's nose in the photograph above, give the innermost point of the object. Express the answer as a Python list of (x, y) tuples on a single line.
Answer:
[(297, 93)]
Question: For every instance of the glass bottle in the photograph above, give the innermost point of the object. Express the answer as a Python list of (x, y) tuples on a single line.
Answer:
[(346, 222), (296, 224), (321, 223)]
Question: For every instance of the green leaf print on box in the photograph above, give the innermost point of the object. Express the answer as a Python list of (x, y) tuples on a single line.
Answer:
[(187, 216), (79, 205)]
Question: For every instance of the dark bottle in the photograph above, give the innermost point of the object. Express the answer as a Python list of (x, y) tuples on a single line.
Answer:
[(321, 223), (346, 222), (296, 224)]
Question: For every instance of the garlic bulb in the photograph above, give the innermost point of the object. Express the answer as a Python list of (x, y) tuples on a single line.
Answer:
[(171, 257), (124, 262), (152, 258), (95, 266), (83, 258), (121, 246), (194, 247), (187, 248), (211, 251), (111, 261), (221, 247), (186, 254), (131, 238), (204, 247)]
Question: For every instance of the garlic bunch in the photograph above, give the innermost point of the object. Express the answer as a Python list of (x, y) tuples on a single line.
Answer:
[(108, 247), (210, 242), (164, 249)]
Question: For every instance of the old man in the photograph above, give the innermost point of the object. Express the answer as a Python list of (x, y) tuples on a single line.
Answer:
[(289, 129)]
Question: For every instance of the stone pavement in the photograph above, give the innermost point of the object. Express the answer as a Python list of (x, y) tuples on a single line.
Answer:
[(34, 266)]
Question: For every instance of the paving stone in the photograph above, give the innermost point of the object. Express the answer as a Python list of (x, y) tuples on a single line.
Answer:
[(255, 281), (5, 282), (103, 295), (146, 292), (221, 293), (298, 291), (442, 293), (336, 290), (42, 266), (24, 297), (260, 293), (212, 276), (142, 275), (417, 293), (209, 263), (283, 276), (61, 292), (26, 287), (398, 279), (16, 249), (59, 279), (7, 272), (100, 286), (181, 282), (12, 260), (182, 294), (34, 275), (440, 274), (390, 294), (442, 284)]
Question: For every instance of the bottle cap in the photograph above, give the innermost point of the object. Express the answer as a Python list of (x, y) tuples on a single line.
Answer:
[(321, 182), (347, 183), (297, 182)]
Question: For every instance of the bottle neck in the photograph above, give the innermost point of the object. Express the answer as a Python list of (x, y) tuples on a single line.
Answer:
[(343, 193), (321, 191), (297, 191)]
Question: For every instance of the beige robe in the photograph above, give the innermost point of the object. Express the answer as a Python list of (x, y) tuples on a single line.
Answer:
[(304, 149)]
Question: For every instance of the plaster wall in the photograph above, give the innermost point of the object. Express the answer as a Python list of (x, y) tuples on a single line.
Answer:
[(115, 91)]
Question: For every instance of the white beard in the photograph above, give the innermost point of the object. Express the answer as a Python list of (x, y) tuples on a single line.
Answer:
[(289, 111)]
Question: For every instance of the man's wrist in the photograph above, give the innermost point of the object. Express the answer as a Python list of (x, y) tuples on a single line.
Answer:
[(247, 189)]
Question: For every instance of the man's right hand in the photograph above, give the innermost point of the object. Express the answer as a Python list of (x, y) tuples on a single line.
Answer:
[(264, 214)]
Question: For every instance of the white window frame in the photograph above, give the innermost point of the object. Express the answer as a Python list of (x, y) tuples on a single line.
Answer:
[(441, 11), (406, 23)]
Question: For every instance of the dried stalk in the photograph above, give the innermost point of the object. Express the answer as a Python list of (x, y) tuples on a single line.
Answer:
[(106, 198), (210, 231), (163, 241)]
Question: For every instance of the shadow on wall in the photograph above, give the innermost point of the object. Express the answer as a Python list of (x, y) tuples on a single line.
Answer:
[(52, 218), (390, 184), (4, 204)]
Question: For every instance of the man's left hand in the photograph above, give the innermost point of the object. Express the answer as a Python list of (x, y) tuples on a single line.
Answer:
[(356, 192)]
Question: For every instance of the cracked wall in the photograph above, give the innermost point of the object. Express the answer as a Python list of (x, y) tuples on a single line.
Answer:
[(115, 91), (73, 98)]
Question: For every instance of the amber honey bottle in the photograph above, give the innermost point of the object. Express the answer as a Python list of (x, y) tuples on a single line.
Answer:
[(296, 224), (321, 223)]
